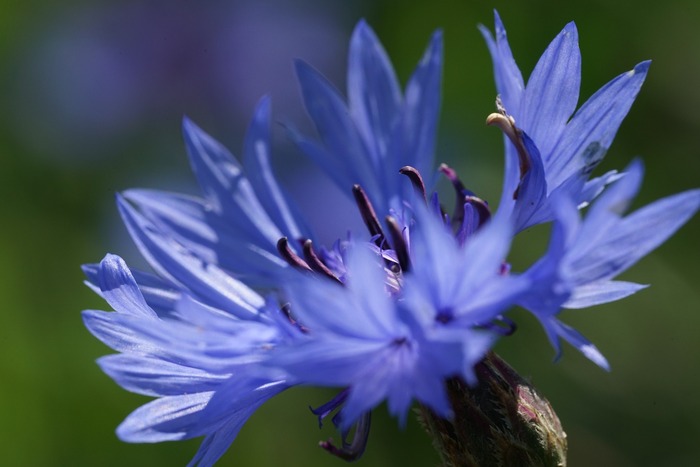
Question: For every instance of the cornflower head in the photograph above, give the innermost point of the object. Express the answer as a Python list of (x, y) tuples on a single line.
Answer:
[(244, 304)]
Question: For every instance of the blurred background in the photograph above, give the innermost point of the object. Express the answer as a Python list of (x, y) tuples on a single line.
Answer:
[(92, 96)]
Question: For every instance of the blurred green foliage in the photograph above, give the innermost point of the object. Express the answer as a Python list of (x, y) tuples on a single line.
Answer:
[(58, 409)]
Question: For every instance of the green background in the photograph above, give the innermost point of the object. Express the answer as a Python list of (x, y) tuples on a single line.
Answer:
[(57, 212)]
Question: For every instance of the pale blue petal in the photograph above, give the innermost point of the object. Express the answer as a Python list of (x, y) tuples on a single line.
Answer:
[(257, 161), (584, 346), (635, 236), (552, 91), (374, 95), (591, 131), (117, 331), (166, 419), (155, 377), (208, 236), (415, 145), (337, 129), (174, 262), (597, 293), (120, 290), (225, 186), (509, 80)]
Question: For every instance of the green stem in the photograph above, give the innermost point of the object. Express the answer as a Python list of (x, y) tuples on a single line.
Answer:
[(503, 421)]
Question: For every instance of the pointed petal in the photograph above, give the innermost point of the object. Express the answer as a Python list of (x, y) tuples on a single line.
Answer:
[(225, 186), (635, 236), (117, 331), (166, 419), (552, 91), (575, 338), (172, 261), (190, 223), (336, 128), (601, 292), (259, 170), (415, 145), (594, 126), (154, 377), (509, 80), (374, 95)]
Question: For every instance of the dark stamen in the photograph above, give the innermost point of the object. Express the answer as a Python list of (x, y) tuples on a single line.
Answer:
[(315, 262), (460, 191), (481, 206), (415, 178), (368, 215), (289, 256), (399, 244), (353, 450)]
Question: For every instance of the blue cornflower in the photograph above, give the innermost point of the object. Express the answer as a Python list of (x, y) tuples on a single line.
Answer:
[(585, 255), (570, 147), (386, 317)]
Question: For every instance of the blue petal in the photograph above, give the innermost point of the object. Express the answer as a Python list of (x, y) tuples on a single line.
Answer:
[(172, 261), (415, 144), (119, 288), (531, 206), (229, 408), (635, 236), (594, 126), (117, 331), (374, 95), (337, 130), (210, 237), (222, 180), (159, 294), (577, 339), (166, 419), (601, 292), (257, 161), (552, 90), (154, 377), (509, 80)]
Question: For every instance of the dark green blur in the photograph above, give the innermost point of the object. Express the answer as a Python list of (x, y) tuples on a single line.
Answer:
[(57, 212)]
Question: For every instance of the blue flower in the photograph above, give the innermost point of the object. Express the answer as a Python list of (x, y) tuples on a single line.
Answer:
[(379, 131), (569, 147), (391, 317), (586, 255)]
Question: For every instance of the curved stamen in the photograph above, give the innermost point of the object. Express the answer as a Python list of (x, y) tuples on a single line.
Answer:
[(315, 262), (353, 450), (481, 206), (416, 180), (506, 123), (289, 256), (368, 215), (461, 192), (399, 243)]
